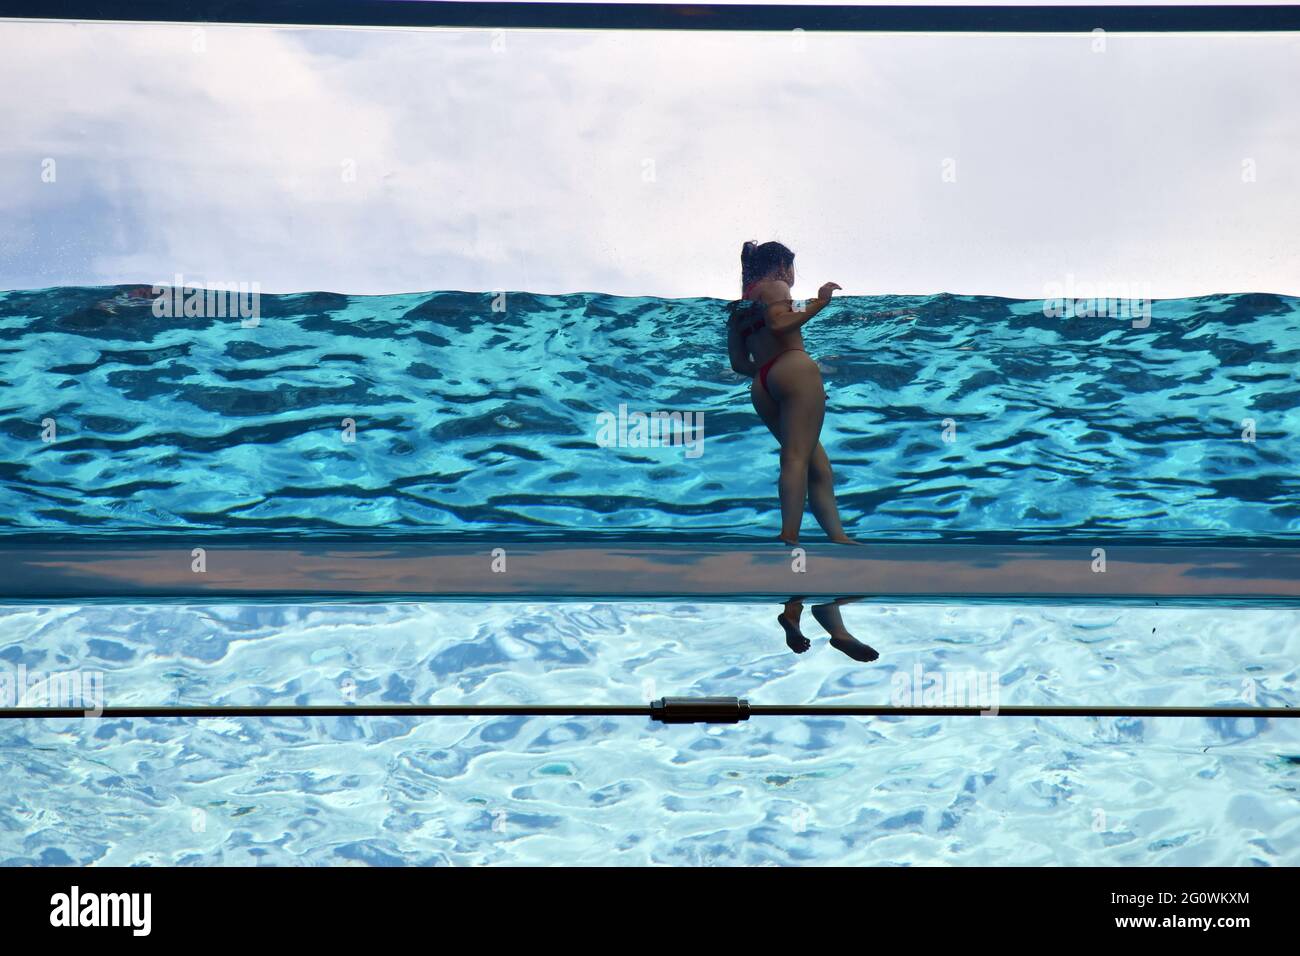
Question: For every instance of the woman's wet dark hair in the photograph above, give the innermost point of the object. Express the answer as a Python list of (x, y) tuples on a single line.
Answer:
[(757, 261)]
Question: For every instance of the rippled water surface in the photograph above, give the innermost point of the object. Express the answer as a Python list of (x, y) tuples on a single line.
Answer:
[(473, 419), (914, 790)]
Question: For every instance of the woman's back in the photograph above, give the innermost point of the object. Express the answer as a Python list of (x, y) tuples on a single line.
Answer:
[(759, 338)]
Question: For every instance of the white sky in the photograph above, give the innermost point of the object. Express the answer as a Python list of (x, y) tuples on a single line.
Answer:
[(524, 166)]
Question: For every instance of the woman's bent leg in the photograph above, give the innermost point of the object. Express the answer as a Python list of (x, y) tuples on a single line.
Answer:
[(796, 384)]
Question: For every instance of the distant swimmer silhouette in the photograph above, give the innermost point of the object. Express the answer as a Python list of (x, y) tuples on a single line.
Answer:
[(828, 616), (764, 342)]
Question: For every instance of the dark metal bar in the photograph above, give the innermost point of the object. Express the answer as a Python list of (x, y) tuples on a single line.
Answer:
[(330, 710), (781, 710), (668, 16), (677, 710)]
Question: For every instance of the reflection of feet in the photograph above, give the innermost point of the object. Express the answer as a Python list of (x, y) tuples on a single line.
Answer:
[(844, 539), (794, 638), (854, 648), (827, 615)]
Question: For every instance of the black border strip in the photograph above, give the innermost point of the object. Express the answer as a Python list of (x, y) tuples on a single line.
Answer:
[(646, 16)]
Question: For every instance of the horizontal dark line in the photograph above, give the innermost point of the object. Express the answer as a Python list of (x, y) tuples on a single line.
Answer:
[(795, 710), (579, 710), (254, 536), (603, 16)]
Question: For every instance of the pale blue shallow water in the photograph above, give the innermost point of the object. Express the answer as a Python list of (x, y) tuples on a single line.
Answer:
[(914, 791)]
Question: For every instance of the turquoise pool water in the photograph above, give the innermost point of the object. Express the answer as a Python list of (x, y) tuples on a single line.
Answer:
[(474, 420), (907, 791)]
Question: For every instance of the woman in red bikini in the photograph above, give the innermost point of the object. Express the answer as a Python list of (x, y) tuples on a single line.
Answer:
[(788, 396), (763, 337)]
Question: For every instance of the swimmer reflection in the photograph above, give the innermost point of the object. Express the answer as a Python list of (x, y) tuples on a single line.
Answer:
[(828, 616)]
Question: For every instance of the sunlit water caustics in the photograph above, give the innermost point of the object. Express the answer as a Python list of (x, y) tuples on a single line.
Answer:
[(906, 791), (470, 419)]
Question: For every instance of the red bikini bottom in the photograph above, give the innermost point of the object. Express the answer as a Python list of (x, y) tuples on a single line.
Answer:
[(767, 366)]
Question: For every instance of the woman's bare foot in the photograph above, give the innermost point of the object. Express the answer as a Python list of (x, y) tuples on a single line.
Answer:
[(854, 648), (794, 638), (827, 615), (791, 540), (844, 539)]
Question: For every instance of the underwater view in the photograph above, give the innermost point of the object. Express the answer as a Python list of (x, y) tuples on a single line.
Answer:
[(899, 791)]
